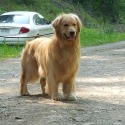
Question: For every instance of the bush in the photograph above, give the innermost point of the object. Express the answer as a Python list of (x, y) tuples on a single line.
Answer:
[(26, 2)]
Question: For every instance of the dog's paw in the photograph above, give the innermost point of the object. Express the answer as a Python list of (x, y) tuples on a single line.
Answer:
[(57, 98), (70, 98), (25, 94), (45, 95)]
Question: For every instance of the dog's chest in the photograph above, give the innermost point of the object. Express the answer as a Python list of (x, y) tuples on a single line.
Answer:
[(67, 63)]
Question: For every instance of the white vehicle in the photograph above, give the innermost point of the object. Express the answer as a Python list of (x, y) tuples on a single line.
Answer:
[(17, 27)]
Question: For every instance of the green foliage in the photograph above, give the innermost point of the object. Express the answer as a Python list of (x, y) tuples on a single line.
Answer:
[(26, 2), (7, 51), (93, 37), (109, 10)]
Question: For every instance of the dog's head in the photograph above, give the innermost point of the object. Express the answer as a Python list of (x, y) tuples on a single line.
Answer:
[(67, 26)]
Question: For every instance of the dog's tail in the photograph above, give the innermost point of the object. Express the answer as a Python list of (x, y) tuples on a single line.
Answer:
[(24, 56)]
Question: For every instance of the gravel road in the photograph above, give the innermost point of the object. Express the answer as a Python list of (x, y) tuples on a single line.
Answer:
[(100, 90)]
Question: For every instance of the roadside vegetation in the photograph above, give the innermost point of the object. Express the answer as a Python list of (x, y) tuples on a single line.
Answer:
[(7, 51), (99, 27), (94, 37)]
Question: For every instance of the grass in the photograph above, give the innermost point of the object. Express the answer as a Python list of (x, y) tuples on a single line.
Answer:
[(94, 37), (7, 51), (89, 37)]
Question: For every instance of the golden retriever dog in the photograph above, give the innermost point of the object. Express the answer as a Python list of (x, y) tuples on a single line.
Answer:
[(54, 60)]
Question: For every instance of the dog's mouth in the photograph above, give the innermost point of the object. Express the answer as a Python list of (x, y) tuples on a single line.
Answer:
[(71, 37)]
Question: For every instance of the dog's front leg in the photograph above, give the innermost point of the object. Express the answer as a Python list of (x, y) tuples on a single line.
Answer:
[(69, 90), (52, 88), (43, 84)]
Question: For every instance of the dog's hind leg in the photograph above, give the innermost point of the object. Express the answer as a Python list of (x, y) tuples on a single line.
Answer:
[(29, 73), (23, 85)]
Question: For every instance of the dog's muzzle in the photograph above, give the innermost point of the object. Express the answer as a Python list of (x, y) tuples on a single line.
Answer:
[(70, 35)]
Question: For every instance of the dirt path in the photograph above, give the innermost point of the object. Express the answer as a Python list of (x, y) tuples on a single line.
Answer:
[(100, 90)]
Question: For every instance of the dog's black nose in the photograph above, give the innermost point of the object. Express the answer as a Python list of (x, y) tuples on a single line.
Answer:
[(72, 33)]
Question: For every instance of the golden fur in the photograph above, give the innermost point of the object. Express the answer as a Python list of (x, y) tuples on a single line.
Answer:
[(53, 60)]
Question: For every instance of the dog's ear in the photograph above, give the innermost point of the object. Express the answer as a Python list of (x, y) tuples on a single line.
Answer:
[(56, 22), (79, 23)]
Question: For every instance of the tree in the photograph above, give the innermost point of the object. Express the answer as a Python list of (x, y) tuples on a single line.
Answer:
[(110, 10)]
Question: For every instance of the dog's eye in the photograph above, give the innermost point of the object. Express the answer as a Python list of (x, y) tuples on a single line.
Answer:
[(66, 25), (74, 24)]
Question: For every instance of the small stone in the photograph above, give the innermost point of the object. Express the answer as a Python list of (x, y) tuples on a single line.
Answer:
[(53, 111), (119, 120), (3, 106), (89, 123), (77, 119), (18, 118)]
